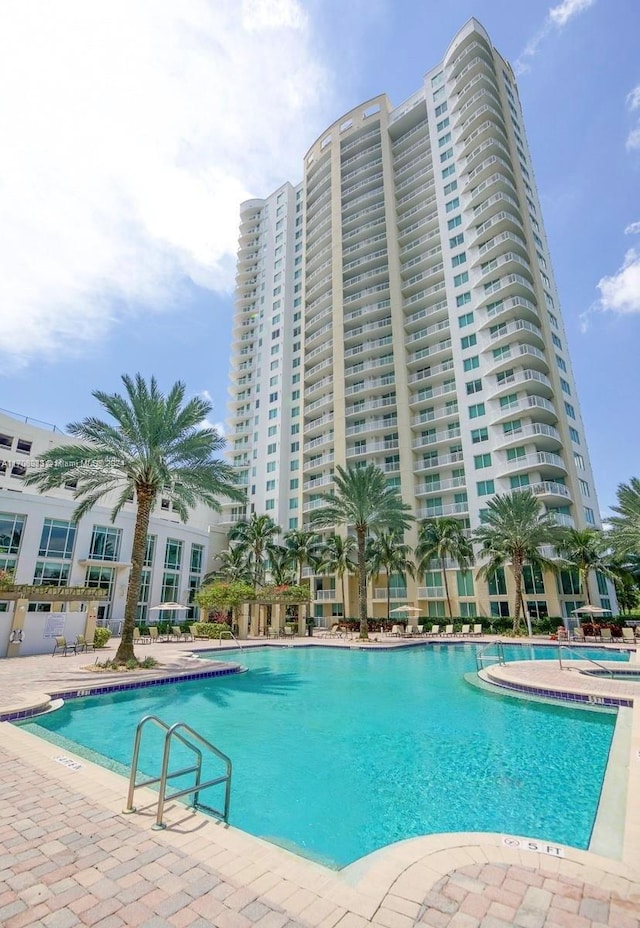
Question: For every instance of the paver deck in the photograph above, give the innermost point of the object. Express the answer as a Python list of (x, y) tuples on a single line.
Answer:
[(69, 856)]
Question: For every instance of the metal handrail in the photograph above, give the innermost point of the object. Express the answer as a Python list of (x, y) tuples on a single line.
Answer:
[(583, 657), (227, 631), (172, 732), (480, 658)]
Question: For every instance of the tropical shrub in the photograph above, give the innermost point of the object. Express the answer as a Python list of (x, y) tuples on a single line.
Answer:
[(100, 637), (210, 629)]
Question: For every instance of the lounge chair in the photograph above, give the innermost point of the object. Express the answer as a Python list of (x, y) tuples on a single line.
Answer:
[(627, 635), (435, 630), (409, 632), (605, 634), (465, 630), (138, 637), (178, 634), (333, 632), (396, 631), (288, 632), (194, 633), (83, 645), (153, 633), (477, 629), (448, 630), (420, 630), (61, 645), (578, 634)]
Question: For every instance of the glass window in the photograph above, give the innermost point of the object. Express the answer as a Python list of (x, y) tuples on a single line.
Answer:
[(197, 559), (105, 543), (51, 573), (101, 578), (478, 435), (173, 554), (569, 582), (533, 580), (465, 582), (485, 487), (170, 592), (467, 319), (497, 583), (460, 279), (468, 341), (476, 410), (519, 481), (11, 529), (470, 364), (482, 460), (57, 539)]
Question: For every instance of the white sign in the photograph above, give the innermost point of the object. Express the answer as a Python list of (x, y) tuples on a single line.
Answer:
[(54, 625), (525, 844)]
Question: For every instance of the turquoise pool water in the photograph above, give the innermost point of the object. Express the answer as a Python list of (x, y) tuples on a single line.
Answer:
[(338, 753)]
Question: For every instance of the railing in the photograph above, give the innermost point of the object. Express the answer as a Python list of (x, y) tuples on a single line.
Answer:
[(173, 732), (482, 658), (227, 632), (583, 657)]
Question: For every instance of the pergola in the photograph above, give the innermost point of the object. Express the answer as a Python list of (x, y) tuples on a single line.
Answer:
[(22, 595)]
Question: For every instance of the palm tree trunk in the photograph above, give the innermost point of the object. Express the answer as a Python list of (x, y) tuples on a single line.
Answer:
[(344, 605), (443, 564), (517, 577), (145, 500), (362, 584), (585, 583), (388, 596)]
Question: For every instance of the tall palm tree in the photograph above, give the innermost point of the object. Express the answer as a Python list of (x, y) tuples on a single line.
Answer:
[(362, 499), (625, 524), (335, 558), (586, 550), (303, 548), (514, 529), (389, 553), (154, 446), (441, 538), (256, 537)]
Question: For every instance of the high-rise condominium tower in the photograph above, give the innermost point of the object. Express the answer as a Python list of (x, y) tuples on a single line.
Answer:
[(399, 307)]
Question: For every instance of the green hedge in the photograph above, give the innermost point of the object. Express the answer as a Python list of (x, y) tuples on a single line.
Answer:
[(209, 629)]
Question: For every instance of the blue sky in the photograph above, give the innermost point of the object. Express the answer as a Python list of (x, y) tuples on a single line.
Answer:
[(133, 130)]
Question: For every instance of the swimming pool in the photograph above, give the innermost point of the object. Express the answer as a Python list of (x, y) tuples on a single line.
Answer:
[(338, 753)]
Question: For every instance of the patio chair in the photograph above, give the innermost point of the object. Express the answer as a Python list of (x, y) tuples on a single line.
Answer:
[(178, 634), (408, 632), (61, 645), (465, 630), (420, 630), (448, 630), (627, 635), (435, 630), (477, 629), (396, 631), (138, 638), (605, 634), (153, 633), (578, 634), (288, 632), (194, 633), (83, 645)]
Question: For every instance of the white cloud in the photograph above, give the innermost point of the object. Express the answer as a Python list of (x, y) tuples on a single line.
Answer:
[(132, 131), (632, 228), (633, 103), (557, 18), (620, 293)]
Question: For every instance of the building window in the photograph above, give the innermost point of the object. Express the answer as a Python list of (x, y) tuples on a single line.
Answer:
[(474, 386), (57, 539), (485, 487), (481, 460), (50, 573), (461, 279), (465, 320), (476, 410), (569, 583), (519, 481), (479, 435), (197, 559), (454, 223), (579, 460), (465, 582), (105, 543), (101, 578), (533, 580), (470, 364), (270, 504), (570, 411), (496, 583), (170, 591), (11, 529), (457, 260), (589, 516), (463, 298), (456, 240), (468, 341), (150, 550), (575, 437), (173, 554)]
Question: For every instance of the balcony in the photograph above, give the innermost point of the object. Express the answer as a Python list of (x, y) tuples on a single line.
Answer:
[(372, 425), (438, 460), (545, 436), (548, 488), (532, 379), (435, 415), (431, 592), (538, 460), (423, 489), (370, 447), (427, 441), (327, 596), (447, 509), (395, 594)]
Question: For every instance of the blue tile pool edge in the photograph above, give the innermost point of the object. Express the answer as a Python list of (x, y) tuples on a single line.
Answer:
[(23, 714)]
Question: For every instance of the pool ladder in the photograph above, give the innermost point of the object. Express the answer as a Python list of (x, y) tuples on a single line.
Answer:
[(483, 658), (186, 735)]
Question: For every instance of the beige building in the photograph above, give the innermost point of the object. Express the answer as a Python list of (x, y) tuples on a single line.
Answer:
[(408, 283)]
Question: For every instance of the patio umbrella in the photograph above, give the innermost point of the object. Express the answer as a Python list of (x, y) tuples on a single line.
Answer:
[(593, 610), (405, 609), (168, 606)]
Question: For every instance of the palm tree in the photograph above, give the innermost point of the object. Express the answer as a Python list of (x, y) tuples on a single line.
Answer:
[(389, 553), (281, 566), (335, 558), (586, 550), (303, 548), (441, 538), (234, 565), (155, 446), (625, 525), (363, 500), (515, 527), (256, 537)]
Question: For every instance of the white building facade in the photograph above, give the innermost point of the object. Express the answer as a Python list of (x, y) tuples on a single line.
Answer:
[(425, 329), (41, 545)]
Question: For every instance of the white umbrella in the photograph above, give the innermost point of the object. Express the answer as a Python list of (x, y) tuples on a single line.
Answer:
[(169, 606), (594, 610), (405, 609)]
